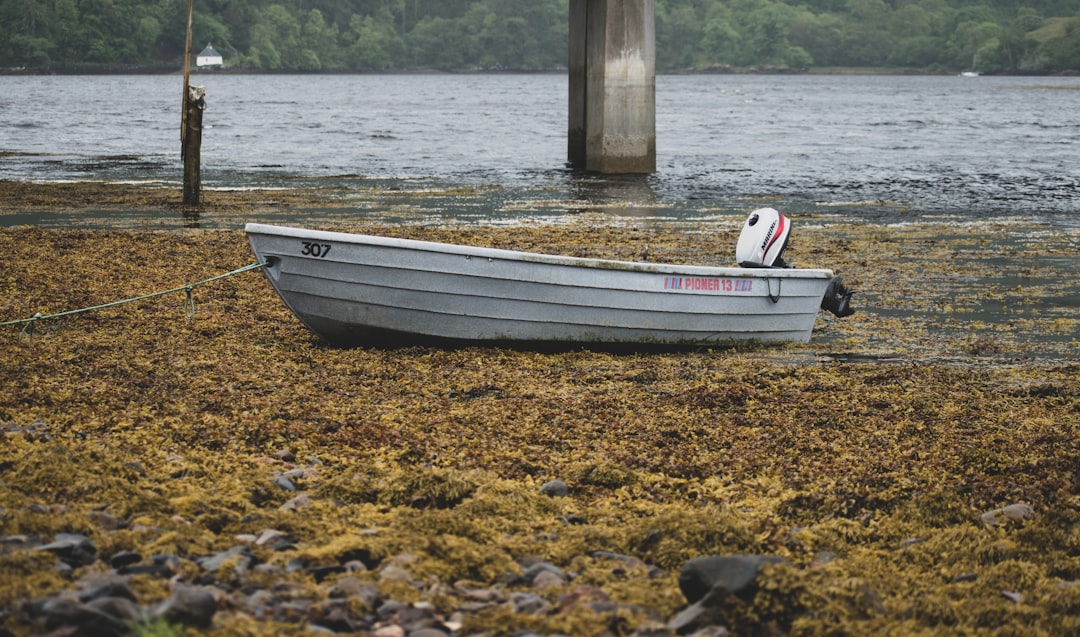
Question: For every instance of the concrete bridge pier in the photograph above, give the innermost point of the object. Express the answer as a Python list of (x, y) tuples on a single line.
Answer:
[(612, 91)]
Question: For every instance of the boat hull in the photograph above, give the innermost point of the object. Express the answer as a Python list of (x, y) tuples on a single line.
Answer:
[(353, 289)]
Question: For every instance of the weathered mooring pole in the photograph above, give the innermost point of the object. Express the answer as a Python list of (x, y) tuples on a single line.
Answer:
[(612, 66), (192, 144), (191, 124)]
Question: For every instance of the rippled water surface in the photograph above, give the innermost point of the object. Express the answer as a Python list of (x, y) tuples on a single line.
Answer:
[(974, 148)]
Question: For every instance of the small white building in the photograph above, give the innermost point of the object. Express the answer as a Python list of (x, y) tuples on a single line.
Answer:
[(208, 57)]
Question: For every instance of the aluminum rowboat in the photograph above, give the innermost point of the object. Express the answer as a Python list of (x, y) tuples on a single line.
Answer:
[(353, 289)]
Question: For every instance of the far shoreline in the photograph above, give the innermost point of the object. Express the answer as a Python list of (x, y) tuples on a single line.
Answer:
[(176, 69)]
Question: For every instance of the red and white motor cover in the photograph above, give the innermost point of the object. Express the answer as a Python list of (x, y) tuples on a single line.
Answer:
[(763, 239)]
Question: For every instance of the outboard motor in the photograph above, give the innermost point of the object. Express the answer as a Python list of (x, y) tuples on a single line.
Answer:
[(761, 244), (763, 239), (837, 298)]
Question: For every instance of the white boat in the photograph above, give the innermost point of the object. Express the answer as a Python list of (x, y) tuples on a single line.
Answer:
[(353, 289)]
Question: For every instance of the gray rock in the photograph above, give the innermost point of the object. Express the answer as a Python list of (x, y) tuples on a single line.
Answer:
[(333, 616), (394, 573), (121, 608), (555, 488), (536, 568), (214, 562), (527, 603), (189, 606), (730, 574), (389, 609), (137, 467), (416, 617), (628, 560), (1014, 512), (345, 587), (548, 579), (120, 559), (274, 540), (300, 501), (72, 548), (61, 612), (107, 586), (106, 520), (702, 614)]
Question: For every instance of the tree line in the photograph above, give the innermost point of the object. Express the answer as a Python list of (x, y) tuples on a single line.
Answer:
[(990, 36)]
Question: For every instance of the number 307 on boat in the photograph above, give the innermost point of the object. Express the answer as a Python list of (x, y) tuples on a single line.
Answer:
[(313, 249)]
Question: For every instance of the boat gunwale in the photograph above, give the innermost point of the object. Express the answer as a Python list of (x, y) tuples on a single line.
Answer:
[(360, 239)]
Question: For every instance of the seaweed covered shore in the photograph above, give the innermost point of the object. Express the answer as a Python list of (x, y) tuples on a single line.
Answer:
[(913, 470)]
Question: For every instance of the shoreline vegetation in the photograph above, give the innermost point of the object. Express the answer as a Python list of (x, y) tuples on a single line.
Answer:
[(913, 469), (987, 36)]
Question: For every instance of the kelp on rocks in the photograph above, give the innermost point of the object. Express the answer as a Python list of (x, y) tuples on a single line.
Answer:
[(865, 459)]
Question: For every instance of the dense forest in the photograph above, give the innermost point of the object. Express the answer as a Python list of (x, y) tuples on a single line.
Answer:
[(990, 36)]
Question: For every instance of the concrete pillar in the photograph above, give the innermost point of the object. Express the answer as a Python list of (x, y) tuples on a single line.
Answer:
[(612, 89)]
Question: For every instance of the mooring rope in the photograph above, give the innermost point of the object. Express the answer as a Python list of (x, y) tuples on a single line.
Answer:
[(189, 302)]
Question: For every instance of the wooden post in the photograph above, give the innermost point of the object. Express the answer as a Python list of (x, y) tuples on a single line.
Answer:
[(187, 72), (192, 144), (192, 181)]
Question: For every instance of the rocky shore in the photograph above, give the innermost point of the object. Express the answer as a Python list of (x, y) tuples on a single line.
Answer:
[(912, 470)]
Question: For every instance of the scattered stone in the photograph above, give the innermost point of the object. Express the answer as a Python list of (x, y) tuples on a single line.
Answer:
[(72, 548), (121, 608), (394, 573), (548, 579), (189, 606), (389, 610), (629, 560), (239, 554), (731, 574), (274, 540), (285, 455), (321, 572), (333, 616), (284, 483), (702, 614), (821, 559), (535, 569), (301, 501), (583, 594), (1013, 596), (390, 630), (527, 603), (161, 565), (106, 586), (418, 616), (120, 559), (966, 577), (137, 467), (106, 521), (61, 612), (1014, 512), (555, 489)]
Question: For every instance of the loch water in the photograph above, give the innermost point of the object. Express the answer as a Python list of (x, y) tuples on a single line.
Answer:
[(871, 147)]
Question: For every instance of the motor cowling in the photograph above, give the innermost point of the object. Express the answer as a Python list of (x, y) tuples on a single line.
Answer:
[(763, 239)]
